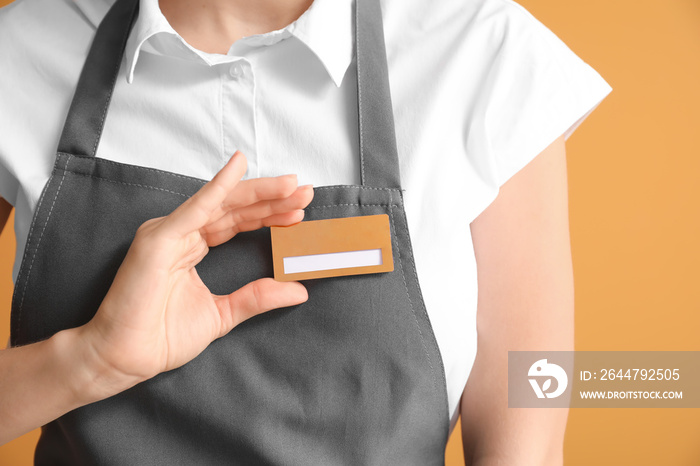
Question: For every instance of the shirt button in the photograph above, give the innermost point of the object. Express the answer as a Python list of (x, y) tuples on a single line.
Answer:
[(236, 71)]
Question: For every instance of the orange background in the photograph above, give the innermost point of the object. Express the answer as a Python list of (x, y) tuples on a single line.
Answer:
[(634, 170)]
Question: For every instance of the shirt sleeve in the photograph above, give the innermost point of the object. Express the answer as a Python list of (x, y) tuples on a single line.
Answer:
[(8, 184), (538, 90)]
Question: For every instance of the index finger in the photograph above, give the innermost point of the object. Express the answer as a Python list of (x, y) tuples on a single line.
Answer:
[(196, 211)]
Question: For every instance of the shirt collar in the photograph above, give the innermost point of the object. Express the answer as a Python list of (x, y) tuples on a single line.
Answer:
[(326, 29)]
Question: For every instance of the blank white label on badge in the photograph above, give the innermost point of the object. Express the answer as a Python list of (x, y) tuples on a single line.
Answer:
[(334, 260)]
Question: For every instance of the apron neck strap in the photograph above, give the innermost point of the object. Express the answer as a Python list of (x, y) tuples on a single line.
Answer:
[(379, 159), (379, 162), (88, 110)]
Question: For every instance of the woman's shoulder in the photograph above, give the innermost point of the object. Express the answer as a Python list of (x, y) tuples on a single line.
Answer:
[(491, 71), (32, 17), (34, 29), (495, 26), (43, 44)]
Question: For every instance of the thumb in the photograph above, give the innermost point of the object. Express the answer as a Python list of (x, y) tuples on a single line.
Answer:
[(257, 297)]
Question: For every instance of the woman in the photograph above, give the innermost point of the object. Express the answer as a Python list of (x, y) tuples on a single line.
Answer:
[(118, 342)]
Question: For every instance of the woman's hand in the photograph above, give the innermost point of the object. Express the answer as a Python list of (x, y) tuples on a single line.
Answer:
[(158, 315)]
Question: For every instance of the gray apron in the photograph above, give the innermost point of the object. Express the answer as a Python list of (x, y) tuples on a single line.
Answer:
[(353, 376)]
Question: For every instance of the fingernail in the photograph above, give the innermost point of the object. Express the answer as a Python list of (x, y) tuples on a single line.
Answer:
[(305, 186), (236, 154)]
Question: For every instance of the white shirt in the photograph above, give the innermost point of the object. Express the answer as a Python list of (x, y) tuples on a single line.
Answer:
[(479, 88)]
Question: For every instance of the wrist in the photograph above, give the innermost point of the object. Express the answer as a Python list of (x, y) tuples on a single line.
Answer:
[(92, 378)]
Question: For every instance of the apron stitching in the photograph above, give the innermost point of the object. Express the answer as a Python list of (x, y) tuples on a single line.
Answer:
[(443, 380), (111, 87), (29, 271), (361, 205), (410, 302), (112, 162), (190, 178), (359, 100), (356, 187), (221, 117), (128, 184), (26, 253)]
